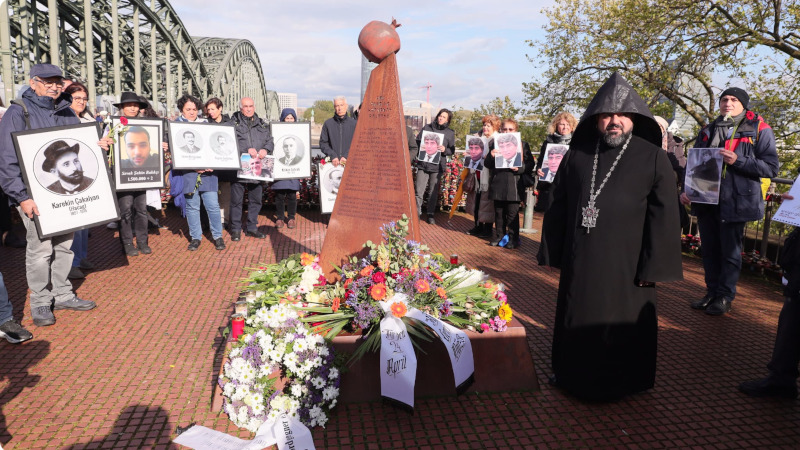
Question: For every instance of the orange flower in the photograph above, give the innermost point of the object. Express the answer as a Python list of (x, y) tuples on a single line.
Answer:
[(422, 286), (347, 282), (366, 271), (436, 275), (441, 292), (306, 259), (378, 291), (335, 305), (399, 309)]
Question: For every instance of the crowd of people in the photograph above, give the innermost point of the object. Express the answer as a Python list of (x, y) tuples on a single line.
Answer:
[(610, 187)]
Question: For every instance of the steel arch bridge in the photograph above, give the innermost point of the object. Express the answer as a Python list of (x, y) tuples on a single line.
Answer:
[(128, 45)]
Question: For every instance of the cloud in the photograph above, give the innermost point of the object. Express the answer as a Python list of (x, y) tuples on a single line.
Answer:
[(469, 53)]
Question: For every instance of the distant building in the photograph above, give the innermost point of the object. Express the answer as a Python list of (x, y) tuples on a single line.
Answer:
[(366, 71), (286, 100), (417, 113)]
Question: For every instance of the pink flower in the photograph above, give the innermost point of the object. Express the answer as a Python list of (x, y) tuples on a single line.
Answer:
[(484, 327), (500, 295)]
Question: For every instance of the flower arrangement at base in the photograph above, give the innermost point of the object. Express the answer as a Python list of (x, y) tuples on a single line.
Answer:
[(276, 344), (452, 293)]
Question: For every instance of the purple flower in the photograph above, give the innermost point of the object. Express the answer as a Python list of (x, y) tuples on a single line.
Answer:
[(445, 308), (498, 324)]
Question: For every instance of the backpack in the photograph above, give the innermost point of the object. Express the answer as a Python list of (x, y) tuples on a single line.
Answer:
[(21, 103)]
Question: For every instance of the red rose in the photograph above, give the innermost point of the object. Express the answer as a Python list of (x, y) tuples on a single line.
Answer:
[(378, 277), (123, 120), (750, 115)]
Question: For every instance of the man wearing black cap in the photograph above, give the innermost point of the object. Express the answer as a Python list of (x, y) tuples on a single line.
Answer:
[(61, 160), (48, 261), (612, 230), (748, 152)]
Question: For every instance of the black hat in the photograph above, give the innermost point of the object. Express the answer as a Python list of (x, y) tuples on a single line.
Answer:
[(617, 96), (46, 71), (738, 93), (54, 151), (130, 97)]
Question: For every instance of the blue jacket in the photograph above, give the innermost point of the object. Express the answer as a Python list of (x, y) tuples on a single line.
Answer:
[(740, 198), (44, 112)]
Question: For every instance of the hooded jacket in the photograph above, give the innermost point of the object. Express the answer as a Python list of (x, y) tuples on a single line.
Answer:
[(43, 112)]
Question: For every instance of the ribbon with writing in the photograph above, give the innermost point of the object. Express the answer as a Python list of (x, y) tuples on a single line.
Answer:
[(398, 361), (458, 346)]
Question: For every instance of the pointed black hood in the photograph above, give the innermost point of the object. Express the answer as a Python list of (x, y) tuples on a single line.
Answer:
[(617, 96)]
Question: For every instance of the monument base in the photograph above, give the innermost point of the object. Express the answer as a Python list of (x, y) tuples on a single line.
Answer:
[(503, 363)]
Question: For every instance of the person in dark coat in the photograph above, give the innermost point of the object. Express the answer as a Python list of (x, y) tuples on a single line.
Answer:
[(558, 132), (337, 133), (612, 235), (428, 175), (749, 154), (673, 145), (782, 379), (286, 190), (255, 139), (507, 190)]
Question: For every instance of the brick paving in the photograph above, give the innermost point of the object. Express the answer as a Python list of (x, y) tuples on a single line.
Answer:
[(127, 373)]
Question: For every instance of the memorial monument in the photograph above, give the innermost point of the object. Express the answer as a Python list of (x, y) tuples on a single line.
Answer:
[(377, 186)]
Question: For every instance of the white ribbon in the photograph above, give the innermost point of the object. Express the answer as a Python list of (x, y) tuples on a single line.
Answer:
[(458, 346), (398, 361), (288, 432)]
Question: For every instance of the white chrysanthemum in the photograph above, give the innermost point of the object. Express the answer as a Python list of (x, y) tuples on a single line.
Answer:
[(332, 404), (316, 362), (227, 391), (297, 390), (330, 393), (234, 353), (230, 411), (240, 393), (315, 412), (318, 382), (244, 415), (274, 414), (253, 424), (333, 374), (323, 351), (322, 420), (300, 345), (290, 358), (258, 408)]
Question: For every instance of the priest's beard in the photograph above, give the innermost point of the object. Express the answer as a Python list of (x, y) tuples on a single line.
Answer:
[(616, 141)]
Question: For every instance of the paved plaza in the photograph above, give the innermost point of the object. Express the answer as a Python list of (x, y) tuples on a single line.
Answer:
[(126, 374)]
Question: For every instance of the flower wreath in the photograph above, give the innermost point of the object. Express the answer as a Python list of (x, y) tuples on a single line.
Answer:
[(276, 340)]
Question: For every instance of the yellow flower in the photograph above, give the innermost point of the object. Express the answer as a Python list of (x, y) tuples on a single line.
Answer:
[(505, 312), (312, 297), (306, 259)]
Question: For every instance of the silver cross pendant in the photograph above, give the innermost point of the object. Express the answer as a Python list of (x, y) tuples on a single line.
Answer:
[(590, 213)]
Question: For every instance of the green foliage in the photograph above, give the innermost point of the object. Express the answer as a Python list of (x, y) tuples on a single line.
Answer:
[(323, 110)]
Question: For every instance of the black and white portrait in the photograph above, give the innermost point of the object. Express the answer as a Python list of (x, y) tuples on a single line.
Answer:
[(330, 178), (200, 145), (66, 174), (189, 144), (292, 150), (703, 175), (221, 144)]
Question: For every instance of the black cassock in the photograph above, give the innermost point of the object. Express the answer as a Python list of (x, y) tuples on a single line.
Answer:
[(605, 334)]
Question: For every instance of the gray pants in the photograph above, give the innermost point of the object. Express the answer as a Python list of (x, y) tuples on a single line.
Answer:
[(427, 186), (47, 264)]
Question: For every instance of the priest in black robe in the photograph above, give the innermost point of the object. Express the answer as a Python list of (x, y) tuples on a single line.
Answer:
[(611, 250)]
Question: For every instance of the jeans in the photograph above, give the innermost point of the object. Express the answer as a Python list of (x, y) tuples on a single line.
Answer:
[(253, 205), (133, 209), (286, 197), (6, 310), (211, 201), (722, 251), (47, 264), (80, 247), (786, 354), (427, 186)]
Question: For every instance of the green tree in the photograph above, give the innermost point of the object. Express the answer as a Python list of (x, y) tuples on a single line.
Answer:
[(323, 110)]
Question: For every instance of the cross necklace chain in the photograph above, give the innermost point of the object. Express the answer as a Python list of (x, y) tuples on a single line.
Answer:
[(590, 211)]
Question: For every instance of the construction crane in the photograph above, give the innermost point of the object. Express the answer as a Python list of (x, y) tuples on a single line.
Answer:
[(428, 97)]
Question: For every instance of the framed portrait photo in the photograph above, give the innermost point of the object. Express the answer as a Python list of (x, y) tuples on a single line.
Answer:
[(200, 145), (553, 154), (66, 174), (260, 169), (429, 147), (138, 154), (292, 149), (476, 151), (509, 150), (330, 178), (703, 175)]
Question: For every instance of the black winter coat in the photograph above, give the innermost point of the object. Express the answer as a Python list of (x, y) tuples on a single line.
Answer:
[(507, 185)]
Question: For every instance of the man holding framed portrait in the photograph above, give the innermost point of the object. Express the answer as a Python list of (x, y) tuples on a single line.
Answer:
[(48, 260)]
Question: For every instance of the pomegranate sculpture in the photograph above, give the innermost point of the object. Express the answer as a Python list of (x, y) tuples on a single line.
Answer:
[(378, 40)]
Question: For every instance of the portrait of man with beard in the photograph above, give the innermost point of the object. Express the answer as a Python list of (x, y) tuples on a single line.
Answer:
[(62, 160)]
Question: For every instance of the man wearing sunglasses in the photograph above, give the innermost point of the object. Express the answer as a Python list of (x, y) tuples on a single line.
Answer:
[(49, 260)]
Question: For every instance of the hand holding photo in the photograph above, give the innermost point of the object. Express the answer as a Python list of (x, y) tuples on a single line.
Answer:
[(553, 154), (476, 151), (292, 150), (430, 147), (508, 152), (703, 175), (139, 155)]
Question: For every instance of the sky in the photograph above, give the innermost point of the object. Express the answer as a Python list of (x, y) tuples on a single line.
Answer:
[(469, 51)]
